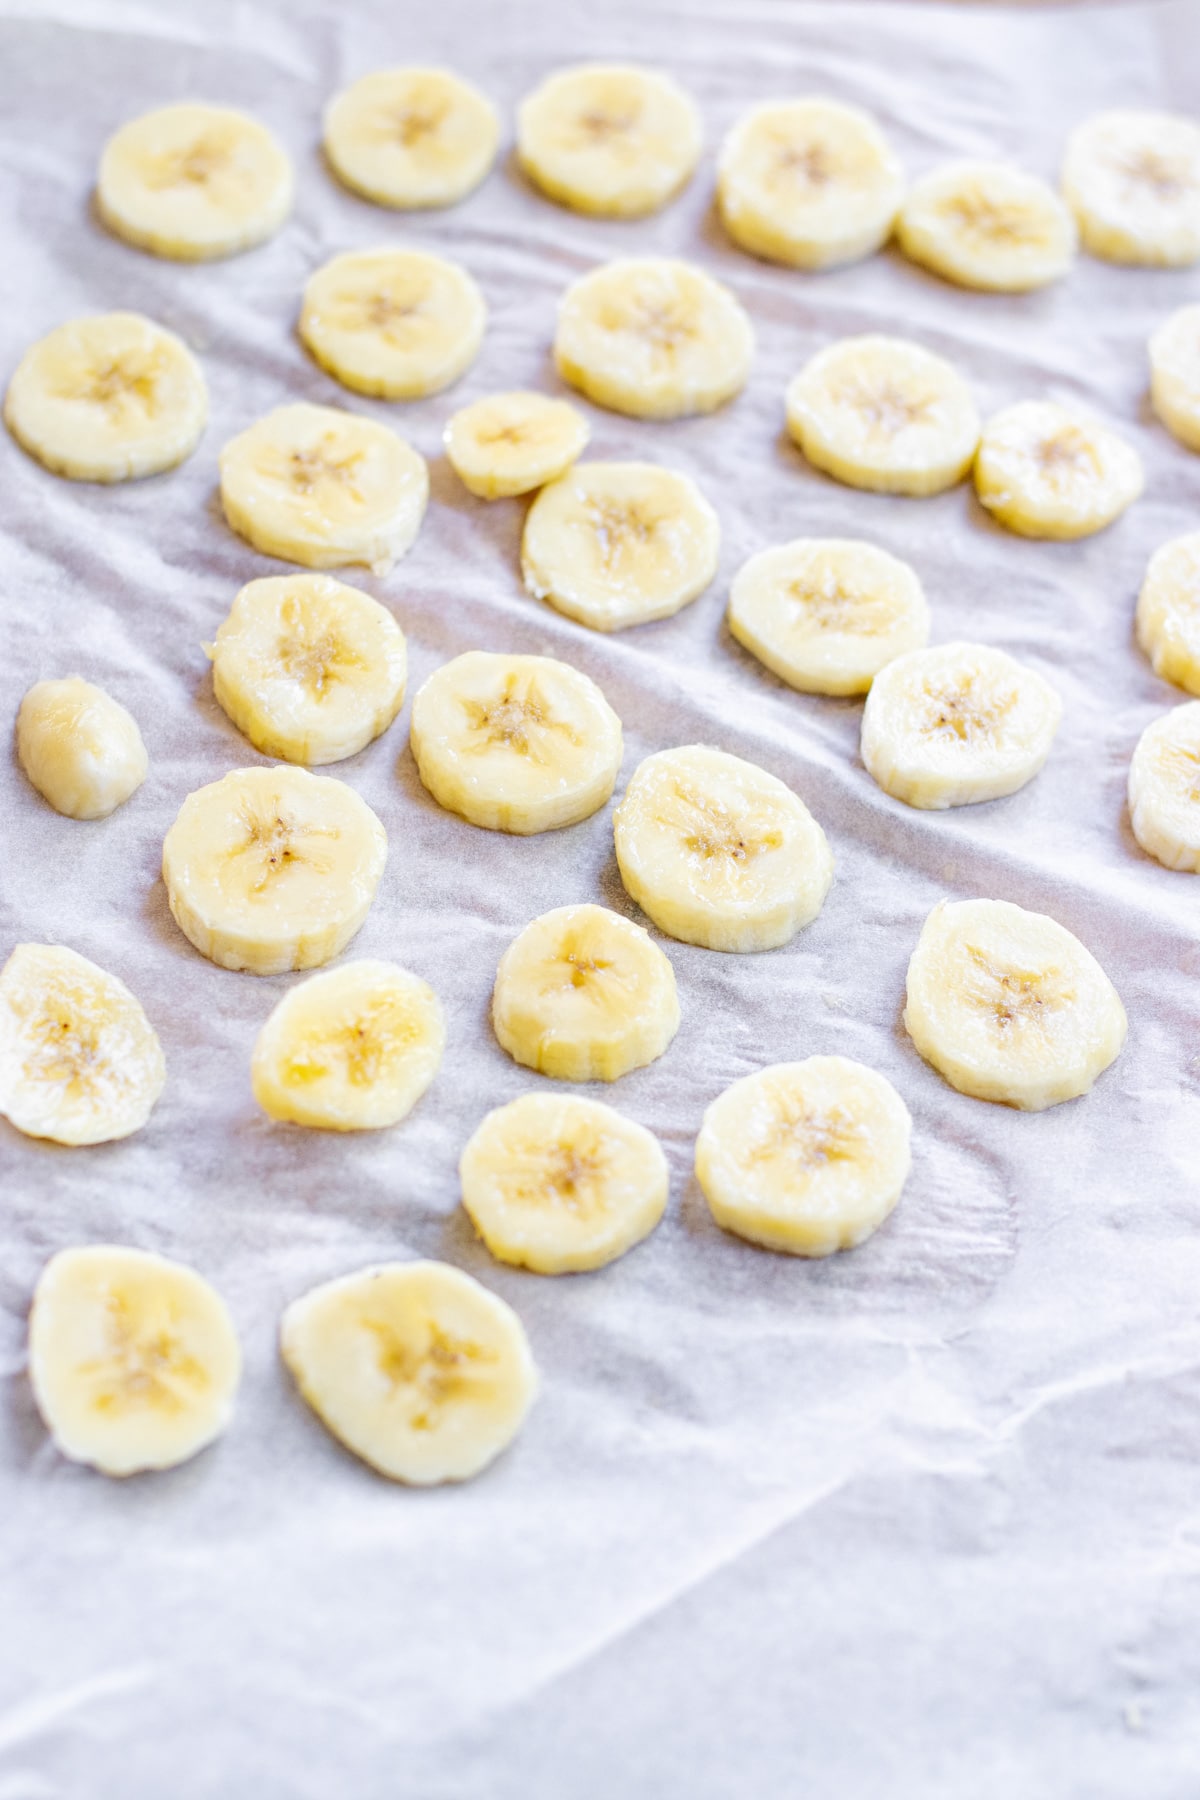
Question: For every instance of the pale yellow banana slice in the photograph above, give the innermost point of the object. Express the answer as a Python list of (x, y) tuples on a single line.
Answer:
[(1132, 179), (272, 869), (512, 443), (826, 614), (133, 1359), (322, 487), (718, 852), (1168, 612), (1046, 472), (654, 338), (987, 225), (112, 397), (515, 743), (584, 995), (1175, 375), (79, 1060), (1164, 789), (414, 1367), (1007, 1005), (79, 747), (192, 182), (558, 1184), (398, 324), (309, 669), (806, 1157), (609, 139), (411, 137), (883, 413), (619, 544)]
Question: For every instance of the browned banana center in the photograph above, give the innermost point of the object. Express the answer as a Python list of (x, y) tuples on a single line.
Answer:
[(811, 164), (64, 1047), (574, 1174), (410, 124), (520, 720), (600, 127), (278, 843), (194, 164), (831, 607), (316, 661), (620, 527), (809, 1136), (307, 469), (958, 710), (1168, 178), (888, 409), (663, 324), (433, 1374), (712, 831), (1066, 455), (145, 1368), (997, 221), (1019, 999), (124, 382)]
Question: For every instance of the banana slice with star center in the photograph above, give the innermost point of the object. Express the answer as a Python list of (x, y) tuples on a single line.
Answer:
[(512, 443), (1168, 612), (987, 225), (80, 748), (398, 324), (608, 139), (1132, 179), (1164, 789), (1046, 472), (1175, 375), (411, 137)]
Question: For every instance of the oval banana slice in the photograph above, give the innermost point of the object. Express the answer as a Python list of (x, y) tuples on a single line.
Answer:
[(1168, 612), (1164, 789), (411, 137), (806, 1157), (398, 324), (1132, 179), (193, 182), (133, 1359), (1007, 1005), (1175, 375), (654, 338), (109, 398), (80, 1063), (272, 869), (515, 743), (718, 852), (414, 1367), (80, 748), (512, 443), (987, 225), (1045, 472), (608, 139), (558, 1184), (584, 995)]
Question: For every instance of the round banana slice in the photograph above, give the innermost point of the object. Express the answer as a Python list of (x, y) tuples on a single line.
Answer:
[(194, 182), (414, 1367), (826, 614), (957, 724), (719, 853), (806, 1157), (608, 139), (109, 398), (322, 487), (884, 414), (398, 324), (79, 1060), (654, 338), (512, 443), (584, 995), (1132, 179), (411, 137), (272, 869), (987, 225), (1045, 472), (309, 669), (558, 1184), (515, 743), (1164, 789), (1007, 1005), (1175, 375), (1168, 612), (619, 544), (133, 1359), (80, 748)]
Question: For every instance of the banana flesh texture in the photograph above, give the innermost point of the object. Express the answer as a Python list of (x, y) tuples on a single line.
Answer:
[(987, 225), (718, 852), (805, 1157), (1175, 375), (1045, 472), (1132, 179), (1168, 612), (397, 324), (79, 747), (411, 137), (609, 139), (1164, 789), (415, 1367), (1009, 1006), (80, 1063), (269, 870), (510, 444)]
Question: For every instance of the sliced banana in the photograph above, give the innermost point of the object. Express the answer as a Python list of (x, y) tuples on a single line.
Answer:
[(1007, 1005), (584, 995), (1164, 789), (414, 1367), (1046, 472), (79, 747), (987, 225), (272, 869), (411, 137), (654, 338), (512, 443), (608, 139), (398, 324), (80, 1063), (1168, 612), (1132, 179), (1175, 375), (558, 1184)]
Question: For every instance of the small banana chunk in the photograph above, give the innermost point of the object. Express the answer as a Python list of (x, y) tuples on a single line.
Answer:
[(558, 1184), (584, 995), (398, 324), (1132, 179), (1164, 789), (133, 1359), (411, 137), (1168, 612), (1045, 472), (322, 487), (884, 414), (272, 869), (414, 1367), (515, 743), (718, 852), (1007, 1005), (608, 139), (654, 338), (1175, 375), (80, 748), (987, 225), (512, 443)]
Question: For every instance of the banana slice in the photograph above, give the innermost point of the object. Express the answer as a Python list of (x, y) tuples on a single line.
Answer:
[(398, 324), (619, 544), (1168, 612), (1175, 375), (309, 669), (109, 398), (654, 338), (1164, 789), (1045, 472), (1007, 1005), (558, 1184), (826, 614), (987, 225), (957, 724), (584, 995), (414, 1367), (79, 1060), (322, 487), (194, 182), (1132, 179), (807, 1157), (80, 748), (608, 139), (134, 1360), (884, 414), (515, 743), (810, 183), (272, 869), (719, 853), (512, 443), (411, 137)]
